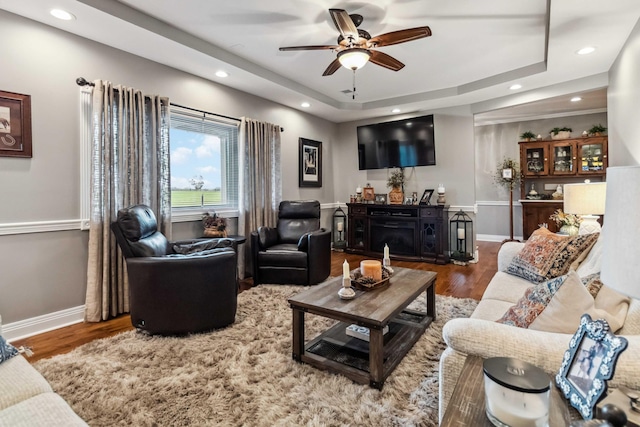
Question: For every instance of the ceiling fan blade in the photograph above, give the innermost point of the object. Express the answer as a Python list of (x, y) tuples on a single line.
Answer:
[(400, 36), (332, 68), (344, 24), (316, 47), (386, 61)]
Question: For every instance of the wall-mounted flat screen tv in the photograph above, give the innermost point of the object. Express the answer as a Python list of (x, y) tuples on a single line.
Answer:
[(402, 143)]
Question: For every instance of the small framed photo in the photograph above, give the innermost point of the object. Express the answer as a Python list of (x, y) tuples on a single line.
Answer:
[(368, 194), (588, 363), (381, 199), (426, 196), (507, 173)]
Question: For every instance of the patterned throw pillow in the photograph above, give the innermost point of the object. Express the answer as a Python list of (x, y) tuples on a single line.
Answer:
[(593, 284), (532, 303), (547, 255), (7, 351)]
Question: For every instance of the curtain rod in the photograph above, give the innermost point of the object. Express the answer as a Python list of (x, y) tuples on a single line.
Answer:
[(81, 81)]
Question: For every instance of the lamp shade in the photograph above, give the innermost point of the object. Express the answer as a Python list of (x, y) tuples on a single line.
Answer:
[(621, 236), (585, 198), (354, 58)]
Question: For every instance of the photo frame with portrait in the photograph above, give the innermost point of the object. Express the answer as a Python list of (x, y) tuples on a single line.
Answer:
[(588, 363), (507, 173), (426, 197), (15, 125), (310, 163)]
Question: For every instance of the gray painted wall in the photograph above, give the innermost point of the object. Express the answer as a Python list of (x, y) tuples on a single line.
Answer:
[(454, 159), (623, 99)]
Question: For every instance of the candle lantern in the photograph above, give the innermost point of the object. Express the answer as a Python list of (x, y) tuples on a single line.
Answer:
[(339, 229), (461, 238)]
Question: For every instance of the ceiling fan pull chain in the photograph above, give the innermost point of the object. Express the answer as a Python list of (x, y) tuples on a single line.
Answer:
[(353, 94)]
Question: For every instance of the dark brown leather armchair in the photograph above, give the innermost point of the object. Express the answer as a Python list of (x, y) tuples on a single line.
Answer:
[(175, 287), (297, 251)]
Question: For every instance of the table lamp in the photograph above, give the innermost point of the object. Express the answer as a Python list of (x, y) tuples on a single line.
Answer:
[(587, 200)]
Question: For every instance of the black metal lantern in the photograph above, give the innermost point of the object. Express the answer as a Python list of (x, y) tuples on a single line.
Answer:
[(339, 229), (461, 238)]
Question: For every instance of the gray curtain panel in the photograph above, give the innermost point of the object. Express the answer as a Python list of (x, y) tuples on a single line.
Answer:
[(260, 183), (130, 165)]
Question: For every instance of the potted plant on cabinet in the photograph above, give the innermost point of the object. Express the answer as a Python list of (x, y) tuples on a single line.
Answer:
[(528, 136), (597, 130), (396, 182), (560, 133)]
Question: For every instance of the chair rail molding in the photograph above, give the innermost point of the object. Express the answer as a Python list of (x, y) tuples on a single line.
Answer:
[(39, 226)]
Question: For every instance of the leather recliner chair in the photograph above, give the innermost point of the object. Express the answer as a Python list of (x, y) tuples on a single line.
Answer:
[(175, 287), (297, 251)]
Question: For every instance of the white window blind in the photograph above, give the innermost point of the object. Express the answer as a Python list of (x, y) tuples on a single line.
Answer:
[(204, 160)]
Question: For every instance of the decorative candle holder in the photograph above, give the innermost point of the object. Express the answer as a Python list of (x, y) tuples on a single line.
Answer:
[(517, 393), (346, 291)]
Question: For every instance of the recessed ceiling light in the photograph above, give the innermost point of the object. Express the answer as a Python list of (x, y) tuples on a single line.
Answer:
[(515, 86), (586, 50), (305, 105), (395, 110), (576, 99), (62, 14), (222, 74)]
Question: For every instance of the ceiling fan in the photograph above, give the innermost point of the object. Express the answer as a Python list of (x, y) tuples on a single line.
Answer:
[(356, 47)]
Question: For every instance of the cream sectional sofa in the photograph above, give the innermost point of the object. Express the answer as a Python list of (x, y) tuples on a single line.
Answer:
[(26, 398), (480, 335)]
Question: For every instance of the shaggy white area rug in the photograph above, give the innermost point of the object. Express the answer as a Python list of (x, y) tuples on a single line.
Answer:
[(244, 375)]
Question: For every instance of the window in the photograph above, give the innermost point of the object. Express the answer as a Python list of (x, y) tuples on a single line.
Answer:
[(204, 161)]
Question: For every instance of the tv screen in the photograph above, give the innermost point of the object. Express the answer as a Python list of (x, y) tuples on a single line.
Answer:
[(402, 143)]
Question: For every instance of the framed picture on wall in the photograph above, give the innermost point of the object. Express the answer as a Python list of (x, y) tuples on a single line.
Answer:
[(310, 163), (15, 125)]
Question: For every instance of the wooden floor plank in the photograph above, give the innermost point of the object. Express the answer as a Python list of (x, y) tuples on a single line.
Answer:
[(468, 281)]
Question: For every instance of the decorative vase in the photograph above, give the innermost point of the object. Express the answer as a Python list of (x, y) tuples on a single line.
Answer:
[(396, 196), (571, 230)]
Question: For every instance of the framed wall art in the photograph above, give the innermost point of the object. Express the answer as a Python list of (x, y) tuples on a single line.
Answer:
[(310, 163), (15, 125), (588, 363)]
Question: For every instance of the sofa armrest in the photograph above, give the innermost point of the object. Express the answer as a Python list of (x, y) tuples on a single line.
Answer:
[(319, 255), (546, 350), (507, 252)]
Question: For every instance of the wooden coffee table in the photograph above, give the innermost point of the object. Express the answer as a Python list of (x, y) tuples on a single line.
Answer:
[(361, 361)]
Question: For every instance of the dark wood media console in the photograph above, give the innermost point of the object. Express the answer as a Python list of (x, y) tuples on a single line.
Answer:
[(412, 232)]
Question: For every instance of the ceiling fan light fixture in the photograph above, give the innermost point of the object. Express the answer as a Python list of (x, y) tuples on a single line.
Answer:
[(354, 58)]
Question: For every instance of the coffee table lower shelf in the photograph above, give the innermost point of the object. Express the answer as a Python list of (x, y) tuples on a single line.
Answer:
[(335, 351)]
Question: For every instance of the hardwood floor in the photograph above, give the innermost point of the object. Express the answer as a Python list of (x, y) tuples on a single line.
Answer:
[(468, 281)]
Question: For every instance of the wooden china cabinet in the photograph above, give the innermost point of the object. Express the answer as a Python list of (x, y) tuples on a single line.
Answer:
[(546, 164)]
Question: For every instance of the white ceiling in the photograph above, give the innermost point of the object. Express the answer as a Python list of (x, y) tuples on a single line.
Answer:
[(477, 50)]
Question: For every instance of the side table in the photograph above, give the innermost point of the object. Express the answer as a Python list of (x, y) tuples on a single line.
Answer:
[(467, 404)]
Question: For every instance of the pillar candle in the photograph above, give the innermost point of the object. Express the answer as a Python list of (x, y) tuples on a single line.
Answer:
[(371, 268), (345, 269), (441, 189), (461, 233), (340, 226), (386, 251)]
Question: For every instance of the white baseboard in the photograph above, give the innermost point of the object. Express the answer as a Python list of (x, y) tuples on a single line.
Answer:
[(495, 238), (40, 324)]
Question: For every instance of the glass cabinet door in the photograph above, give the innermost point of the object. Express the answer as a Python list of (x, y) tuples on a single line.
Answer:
[(535, 160), (357, 230), (592, 157), (563, 158)]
